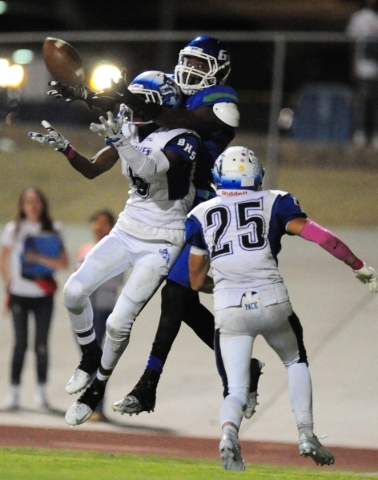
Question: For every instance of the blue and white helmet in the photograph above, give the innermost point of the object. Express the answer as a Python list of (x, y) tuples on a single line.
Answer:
[(238, 168), (156, 87), (210, 50)]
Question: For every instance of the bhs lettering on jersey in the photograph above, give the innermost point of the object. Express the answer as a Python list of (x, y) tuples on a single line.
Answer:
[(144, 150), (251, 306)]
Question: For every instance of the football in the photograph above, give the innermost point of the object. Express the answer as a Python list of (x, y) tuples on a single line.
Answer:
[(62, 61)]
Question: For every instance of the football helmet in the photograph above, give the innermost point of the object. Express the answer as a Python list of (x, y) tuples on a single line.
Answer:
[(156, 87), (209, 50), (238, 168)]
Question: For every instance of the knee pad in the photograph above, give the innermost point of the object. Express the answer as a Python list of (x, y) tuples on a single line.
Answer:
[(121, 320), (115, 344), (73, 297)]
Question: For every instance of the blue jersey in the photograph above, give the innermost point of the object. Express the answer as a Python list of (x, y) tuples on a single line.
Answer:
[(241, 232), (214, 142)]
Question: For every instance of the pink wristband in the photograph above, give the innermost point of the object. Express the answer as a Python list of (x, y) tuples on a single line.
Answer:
[(70, 152), (329, 241), (357, 264)]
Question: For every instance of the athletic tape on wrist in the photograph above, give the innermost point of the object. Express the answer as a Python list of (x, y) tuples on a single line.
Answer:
[(70, 152)]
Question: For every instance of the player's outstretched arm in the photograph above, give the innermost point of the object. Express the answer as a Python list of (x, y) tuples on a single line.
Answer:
[(199, 119), (81, 92), (89, 168), (313, 232)]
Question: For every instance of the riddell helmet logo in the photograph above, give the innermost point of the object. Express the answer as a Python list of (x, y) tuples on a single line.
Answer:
[(233, 193)]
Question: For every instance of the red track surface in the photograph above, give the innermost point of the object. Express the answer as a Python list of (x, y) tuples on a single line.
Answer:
[(362, 460)]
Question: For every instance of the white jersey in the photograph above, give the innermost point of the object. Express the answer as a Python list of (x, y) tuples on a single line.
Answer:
[(159, 201), (15, 240), (241, 231)]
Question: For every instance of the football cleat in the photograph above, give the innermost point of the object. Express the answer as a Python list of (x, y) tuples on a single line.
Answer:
[(90, 361), (77, 414), (77, 382), (80, 411), (309, 446), (230, 454), (142, 397), (131, 405)]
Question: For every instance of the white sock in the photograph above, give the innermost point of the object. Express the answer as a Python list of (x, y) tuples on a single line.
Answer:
[(112, 352), (41, 395), (300, 391)]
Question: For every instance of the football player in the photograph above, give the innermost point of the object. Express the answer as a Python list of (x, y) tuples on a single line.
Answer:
[(210, 109), (148, 236), (238, 234)]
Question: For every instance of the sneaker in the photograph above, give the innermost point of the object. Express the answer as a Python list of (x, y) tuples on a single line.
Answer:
[(90, 361), (252, 396), (12, 400), (309, 446), (40, 398), (80, 411), (230, 454)]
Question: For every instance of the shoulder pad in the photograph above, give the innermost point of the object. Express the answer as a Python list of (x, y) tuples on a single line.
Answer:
[(228, 113)]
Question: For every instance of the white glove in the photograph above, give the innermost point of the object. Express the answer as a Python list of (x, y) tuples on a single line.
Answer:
[(367, 275), (53, 138), (112, 127)]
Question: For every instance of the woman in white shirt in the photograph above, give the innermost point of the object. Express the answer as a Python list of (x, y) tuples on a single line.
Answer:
[(32, 249)]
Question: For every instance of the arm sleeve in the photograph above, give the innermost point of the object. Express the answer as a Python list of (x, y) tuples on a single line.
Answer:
[(141, 164), (329, 241)]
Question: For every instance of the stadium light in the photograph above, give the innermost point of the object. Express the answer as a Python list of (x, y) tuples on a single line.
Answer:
[(11, 76), (23, 56), (3, 7), (101, 76)]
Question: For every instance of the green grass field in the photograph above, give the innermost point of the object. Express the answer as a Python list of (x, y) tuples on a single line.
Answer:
[(332, 187), (40, 464)]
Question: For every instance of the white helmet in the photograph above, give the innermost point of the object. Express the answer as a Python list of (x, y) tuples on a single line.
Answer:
[(156, 87), (238, 168)]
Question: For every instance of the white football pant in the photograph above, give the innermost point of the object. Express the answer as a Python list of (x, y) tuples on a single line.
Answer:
[(238, 327), (116, 253)]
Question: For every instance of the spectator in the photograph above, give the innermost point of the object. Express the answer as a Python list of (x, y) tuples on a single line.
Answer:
[(363, 28), (104, 298), (32, 250)]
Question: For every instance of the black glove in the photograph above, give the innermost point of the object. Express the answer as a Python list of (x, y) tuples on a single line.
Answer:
[(119, 93), (71, 93)]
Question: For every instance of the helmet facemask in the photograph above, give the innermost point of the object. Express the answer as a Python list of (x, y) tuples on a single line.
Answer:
[(184, 74)]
